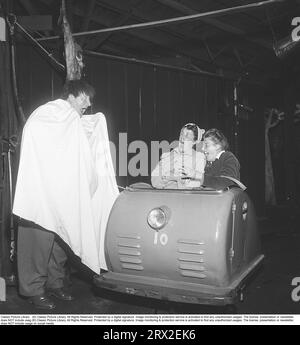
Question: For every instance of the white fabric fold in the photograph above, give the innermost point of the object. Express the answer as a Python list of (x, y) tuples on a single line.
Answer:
[(66, 180)]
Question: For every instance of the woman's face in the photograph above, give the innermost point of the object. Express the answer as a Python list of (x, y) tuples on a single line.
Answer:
[(186, 139), (211, 149)]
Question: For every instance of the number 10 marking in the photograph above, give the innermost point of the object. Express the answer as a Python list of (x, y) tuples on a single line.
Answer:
[(163, 238)]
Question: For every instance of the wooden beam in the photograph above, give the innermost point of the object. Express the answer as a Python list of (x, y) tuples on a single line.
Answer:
[(120, 7), (97, 43), (38, 23), (214, 22), (150, 36), (187, 10), (86, 19), (29, 7), (169, 39), (165, 38)]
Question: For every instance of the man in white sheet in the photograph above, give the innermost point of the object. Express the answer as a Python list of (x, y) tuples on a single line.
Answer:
[(65, 189)]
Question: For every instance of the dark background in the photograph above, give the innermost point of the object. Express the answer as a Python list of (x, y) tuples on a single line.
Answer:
[(150, 82)]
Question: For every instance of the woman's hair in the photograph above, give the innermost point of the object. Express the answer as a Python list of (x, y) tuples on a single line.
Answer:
[(77, 87), (217, 137), (194, 128)]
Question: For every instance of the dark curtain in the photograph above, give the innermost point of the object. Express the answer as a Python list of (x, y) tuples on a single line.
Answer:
[(8, 119), (38, 81), (8, 136), (291, 150), (152, 103), (251, 142)]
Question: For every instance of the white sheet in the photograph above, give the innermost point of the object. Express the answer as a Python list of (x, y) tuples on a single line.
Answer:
[(66, 181)]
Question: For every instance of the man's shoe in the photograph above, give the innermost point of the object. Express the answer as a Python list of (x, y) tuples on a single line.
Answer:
[(61, 294), (42, 302)]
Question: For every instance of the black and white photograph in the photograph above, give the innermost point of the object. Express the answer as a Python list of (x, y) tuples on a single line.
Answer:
[(149, 164)]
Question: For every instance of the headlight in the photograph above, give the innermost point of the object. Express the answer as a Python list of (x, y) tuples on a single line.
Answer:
[(158, 217)]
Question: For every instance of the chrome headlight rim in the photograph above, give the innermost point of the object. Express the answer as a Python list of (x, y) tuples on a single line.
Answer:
[(164, 211)]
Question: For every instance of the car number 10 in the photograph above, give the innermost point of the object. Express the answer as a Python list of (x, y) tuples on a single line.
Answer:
[(160, 238)]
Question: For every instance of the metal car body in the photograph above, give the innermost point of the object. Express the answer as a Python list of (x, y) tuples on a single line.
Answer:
[(196, 246)]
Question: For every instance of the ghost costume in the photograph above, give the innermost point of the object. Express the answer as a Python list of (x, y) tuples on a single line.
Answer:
[(66, 186)]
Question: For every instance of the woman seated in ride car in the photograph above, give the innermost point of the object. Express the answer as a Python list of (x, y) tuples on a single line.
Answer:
[(222, 168), (183, 167)]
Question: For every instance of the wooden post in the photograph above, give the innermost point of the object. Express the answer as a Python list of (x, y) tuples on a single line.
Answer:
[(73, 52)]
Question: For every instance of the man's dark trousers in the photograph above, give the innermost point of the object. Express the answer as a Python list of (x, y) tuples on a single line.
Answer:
[(41, 261)]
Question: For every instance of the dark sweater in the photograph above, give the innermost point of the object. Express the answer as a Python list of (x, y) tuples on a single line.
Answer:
[(227, 165)]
